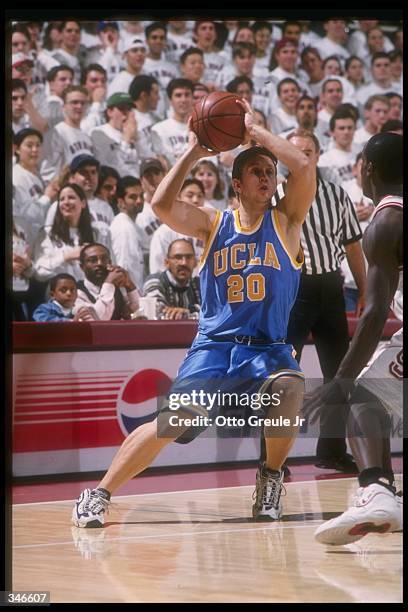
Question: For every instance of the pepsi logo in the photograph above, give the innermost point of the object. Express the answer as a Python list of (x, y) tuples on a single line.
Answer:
[(138, 400)]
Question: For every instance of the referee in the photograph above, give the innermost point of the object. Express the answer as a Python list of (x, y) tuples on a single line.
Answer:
[(330, 232)]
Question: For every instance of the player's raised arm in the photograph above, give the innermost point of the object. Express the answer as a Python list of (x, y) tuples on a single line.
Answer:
[(182, 216), (301, 184)]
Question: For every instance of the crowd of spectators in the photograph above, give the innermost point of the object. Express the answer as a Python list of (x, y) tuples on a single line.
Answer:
[(100, 114)]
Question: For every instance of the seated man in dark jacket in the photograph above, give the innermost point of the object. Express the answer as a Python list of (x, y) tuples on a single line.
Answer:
[(177, 292)]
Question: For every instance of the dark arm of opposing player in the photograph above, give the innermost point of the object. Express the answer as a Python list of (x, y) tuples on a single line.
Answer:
[(380, 248)]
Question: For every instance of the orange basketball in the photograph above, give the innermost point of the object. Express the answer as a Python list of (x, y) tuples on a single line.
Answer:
[(218, 121)]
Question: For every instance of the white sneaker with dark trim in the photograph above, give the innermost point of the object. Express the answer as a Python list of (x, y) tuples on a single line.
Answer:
[(267, 495), (375, 509), (90, 508)]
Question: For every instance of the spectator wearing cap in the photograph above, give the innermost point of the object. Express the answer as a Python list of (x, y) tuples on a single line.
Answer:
[(95, 82), (22, 68), (68, 52), (116, 141), (106, 54), (58, 79), (134, 53), (170, 137), (84, 171), (335, 41), (129, 30), (125, 234), (151, 174), (67, 139), (145, 93)]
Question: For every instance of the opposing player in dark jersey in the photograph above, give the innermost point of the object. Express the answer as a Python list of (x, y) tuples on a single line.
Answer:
[(373, 376), (250, 272)]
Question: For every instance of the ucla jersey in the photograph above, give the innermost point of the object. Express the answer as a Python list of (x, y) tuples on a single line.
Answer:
[(248, 280)]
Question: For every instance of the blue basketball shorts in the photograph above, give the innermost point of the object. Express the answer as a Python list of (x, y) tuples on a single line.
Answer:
[(220, 368)]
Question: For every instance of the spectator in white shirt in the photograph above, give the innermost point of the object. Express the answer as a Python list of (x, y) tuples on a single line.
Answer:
[(170, 137), (31, 198), (208, 174), (375, 44), (84, 171), (395, 111), (59, 250), (22, 69), (357, 42), (178, 40), (94, 80), (332, 67), (106, 290), (135, 54), (68, 52), (115, 142), (155, 63), (66, 140), (335, 40), (151, 174), (145, 93), (23, 115), (192, 192), (376, 111), (284, 117), (192, 64), (382, 82), (312, 64), (286, 55), (263, 40), (204, 37), (397, 66), (354, 72), (330, 99), (125, 234), (107, 186), (58, 78), (343, 154), (106, 54)]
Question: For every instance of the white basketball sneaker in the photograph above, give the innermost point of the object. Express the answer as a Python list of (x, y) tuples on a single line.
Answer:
[(375, 509), (267, 495), (90, 508)]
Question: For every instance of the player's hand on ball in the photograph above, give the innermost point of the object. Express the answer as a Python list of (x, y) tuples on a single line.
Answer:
[(249, 117), (195, 146)]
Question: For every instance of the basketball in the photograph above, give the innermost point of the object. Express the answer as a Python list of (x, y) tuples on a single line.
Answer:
[(218, 121)]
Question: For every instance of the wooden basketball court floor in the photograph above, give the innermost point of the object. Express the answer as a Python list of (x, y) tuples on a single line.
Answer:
[(202, 546)]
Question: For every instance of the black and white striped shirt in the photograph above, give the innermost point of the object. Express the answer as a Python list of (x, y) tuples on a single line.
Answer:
[(331, 224)]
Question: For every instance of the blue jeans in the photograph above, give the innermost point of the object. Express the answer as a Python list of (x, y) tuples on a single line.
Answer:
[(351, 299)]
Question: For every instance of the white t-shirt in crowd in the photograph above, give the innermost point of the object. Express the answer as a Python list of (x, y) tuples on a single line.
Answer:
[(127, 248), (170, 138)]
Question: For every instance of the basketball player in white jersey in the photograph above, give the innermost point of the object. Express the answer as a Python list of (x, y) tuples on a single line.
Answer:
[(373, 375)]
